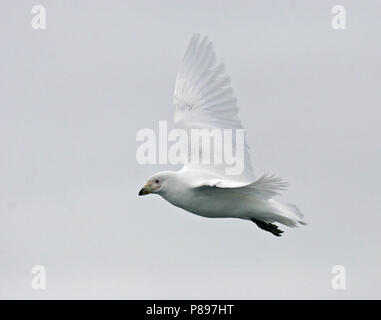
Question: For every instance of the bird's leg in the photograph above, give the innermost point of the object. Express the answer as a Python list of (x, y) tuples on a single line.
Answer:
[(269, 227)]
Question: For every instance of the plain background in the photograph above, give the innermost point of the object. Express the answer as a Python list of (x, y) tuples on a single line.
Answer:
[(74, 96)]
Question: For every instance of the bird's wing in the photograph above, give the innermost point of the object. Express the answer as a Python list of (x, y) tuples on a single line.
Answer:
[(203, 99), (266, 187)]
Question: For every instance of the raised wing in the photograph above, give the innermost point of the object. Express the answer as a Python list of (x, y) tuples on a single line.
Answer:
[(203, 99)]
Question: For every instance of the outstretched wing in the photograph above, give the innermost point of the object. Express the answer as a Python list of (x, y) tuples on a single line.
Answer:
[(266, 187), (203, 99)]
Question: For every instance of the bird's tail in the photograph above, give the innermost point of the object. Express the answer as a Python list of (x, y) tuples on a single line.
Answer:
[(269, 186), (286, 213)]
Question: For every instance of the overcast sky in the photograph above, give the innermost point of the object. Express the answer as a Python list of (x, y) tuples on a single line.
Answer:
[(74, 96)]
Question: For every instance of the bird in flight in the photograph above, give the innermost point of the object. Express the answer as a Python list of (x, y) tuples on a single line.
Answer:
[(203, 99)]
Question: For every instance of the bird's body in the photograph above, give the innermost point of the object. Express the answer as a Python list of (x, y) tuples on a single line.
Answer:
[(203, 201), (203, 100), (182, 189)]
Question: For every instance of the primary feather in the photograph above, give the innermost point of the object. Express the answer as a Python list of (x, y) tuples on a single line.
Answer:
[(203, 98)]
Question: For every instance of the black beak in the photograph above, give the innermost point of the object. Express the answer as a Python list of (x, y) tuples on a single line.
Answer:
[(141, 192)]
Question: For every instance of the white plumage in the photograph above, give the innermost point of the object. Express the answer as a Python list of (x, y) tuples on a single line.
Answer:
[(203, 99)]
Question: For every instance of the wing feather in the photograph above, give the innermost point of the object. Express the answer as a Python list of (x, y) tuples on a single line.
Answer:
[(267, 186), (203, 98)]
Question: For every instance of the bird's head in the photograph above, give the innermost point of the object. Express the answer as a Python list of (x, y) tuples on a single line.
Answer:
[(156, 183)]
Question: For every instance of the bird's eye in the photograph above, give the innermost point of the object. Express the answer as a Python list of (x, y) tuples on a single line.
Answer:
[(157, 181)]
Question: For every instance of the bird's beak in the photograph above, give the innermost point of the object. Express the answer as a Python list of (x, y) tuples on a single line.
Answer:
[(145, 190)]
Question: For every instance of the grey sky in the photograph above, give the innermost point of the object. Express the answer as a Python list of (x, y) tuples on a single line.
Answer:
[(74, 96)]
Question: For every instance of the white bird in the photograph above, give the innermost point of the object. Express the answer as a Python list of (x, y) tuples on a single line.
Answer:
[(203, 98)]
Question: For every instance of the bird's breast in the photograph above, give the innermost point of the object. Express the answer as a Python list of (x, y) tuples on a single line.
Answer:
[(208, 203)]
